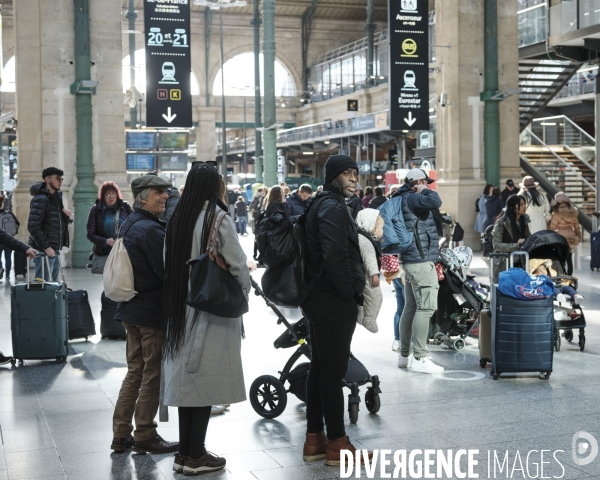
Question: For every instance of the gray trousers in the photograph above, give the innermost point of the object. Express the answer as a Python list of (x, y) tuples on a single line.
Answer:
[(420, 292)]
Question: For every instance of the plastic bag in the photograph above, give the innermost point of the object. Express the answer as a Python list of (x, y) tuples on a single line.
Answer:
[(517, 283)]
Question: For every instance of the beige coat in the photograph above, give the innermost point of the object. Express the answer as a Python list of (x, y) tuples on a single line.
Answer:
[(208, 369), (565, 221)]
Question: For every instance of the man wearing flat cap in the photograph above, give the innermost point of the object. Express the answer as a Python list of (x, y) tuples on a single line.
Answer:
[(143, 235)]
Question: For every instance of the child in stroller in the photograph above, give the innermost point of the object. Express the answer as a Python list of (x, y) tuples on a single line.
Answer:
[(268, 395), (551, 249), (562, 290), (460, 299)]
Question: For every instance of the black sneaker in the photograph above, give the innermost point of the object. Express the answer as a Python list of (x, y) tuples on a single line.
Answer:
[(208, 462), (4, 360)]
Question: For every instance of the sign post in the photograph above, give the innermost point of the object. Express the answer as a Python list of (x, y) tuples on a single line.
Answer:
[(168, 63), (409, 64)]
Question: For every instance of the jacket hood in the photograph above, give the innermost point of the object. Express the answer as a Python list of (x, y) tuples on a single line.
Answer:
[(405, 188), (39, 187), (366, 219), (566, 211)]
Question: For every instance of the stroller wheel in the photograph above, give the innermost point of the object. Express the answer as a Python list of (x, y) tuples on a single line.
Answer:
[(581, 342), (268, 396), (372, 401), (458, 344), (557, 343), (569, 335), (353, 412)]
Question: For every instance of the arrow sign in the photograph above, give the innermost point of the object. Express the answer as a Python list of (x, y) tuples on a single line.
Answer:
[(169, 118), (410, 120)]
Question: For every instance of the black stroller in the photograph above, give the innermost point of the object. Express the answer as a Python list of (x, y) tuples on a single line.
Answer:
[(268, 395), (459, 304), (547, 244)]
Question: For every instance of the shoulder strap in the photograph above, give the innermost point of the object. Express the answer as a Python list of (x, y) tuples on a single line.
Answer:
[(216, 224)]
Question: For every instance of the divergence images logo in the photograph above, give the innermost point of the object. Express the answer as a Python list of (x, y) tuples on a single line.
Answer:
[(585, 448), (409, 47)]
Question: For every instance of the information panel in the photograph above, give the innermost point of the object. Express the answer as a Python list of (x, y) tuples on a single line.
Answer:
[(141, 162), (172, 162), (168, 63), (409, 64), (140, 140), (173, 140)]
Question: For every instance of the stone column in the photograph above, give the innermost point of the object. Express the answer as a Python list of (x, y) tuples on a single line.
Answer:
[(459, 75)]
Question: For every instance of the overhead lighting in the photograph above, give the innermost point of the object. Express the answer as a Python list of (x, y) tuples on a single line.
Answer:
[(326, 142), (381, 77), (309, 153), (221, 4), (547, 123), (239, 154), (283, 105), (404, 131)]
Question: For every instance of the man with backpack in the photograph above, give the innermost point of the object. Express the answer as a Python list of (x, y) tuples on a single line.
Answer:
[(10, 224), (418, 261), (333, 258)]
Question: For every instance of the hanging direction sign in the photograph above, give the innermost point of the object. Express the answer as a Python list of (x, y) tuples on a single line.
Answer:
[(168, 63), (409, 64)]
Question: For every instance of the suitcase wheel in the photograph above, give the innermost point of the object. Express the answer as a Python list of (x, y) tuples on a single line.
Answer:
[(557, 343), (60, 359), (13, 362), (483, 362), (494, 375), (544, 375)]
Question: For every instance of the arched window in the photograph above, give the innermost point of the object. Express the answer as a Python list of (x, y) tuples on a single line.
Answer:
[(140, 74), (8, 76), (236, 82)]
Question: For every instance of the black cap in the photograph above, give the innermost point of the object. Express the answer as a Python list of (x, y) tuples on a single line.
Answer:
[(510, 183), (337, 164)]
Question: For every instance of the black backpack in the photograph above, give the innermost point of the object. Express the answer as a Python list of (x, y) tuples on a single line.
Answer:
[(281, 245)]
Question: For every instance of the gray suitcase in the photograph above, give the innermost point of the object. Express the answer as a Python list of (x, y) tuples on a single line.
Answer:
[(38, 317)]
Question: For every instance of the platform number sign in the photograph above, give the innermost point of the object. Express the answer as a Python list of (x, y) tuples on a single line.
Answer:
[(168, 63), (409, 64)]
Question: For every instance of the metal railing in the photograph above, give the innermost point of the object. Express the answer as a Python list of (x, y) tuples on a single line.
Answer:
[(583, 82), (561, 130)]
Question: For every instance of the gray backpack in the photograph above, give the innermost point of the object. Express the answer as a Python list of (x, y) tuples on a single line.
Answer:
[(8, 223)]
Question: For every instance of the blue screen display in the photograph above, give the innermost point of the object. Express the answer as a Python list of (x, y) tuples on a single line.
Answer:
[(141, 162), (141, 140)]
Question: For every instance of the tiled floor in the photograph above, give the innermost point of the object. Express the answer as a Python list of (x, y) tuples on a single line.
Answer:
[(55, 420)]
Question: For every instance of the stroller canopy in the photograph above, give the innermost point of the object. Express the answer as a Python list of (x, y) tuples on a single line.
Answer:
[(547, 244)]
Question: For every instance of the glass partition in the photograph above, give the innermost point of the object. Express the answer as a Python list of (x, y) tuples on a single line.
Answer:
[(532, 21)]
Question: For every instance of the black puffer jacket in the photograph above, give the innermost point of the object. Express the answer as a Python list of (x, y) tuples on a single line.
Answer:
[(144, 238), (48, 226), (355, 205), (377, 201), (11, 243), (95, 223), (332, 243)]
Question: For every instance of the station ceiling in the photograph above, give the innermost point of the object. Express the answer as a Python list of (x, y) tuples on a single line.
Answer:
[(326, 9)]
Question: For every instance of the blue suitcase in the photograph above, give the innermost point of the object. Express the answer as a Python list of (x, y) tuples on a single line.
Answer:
[(522, 334), (39, 323)]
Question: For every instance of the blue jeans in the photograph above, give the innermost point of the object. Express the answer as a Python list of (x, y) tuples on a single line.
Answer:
[(54, 268), (7, 259), (399, 287), (242, 224)]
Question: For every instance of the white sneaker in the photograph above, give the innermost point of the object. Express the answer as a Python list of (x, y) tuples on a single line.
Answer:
[(396, 345), (404, 362), (217, 409), (425, 365), (561, 299), (578, 299)]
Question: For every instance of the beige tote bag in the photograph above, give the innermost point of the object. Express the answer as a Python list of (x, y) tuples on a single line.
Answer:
[(118, 274)]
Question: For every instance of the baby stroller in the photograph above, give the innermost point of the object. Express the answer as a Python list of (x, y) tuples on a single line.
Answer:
[(567, 316), (268, 395), (459, 302)]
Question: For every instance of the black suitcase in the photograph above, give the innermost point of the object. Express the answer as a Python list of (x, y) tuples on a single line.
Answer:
[(522, 335), (20, 264), (81, 319), (595, 250), (109, 327)]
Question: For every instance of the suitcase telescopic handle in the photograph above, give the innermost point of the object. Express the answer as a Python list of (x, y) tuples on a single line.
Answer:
[(520, 253), (47, 262)]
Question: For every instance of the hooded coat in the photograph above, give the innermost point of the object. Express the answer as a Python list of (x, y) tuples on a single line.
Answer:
[(48, 226), (373, 297), (565, 221)]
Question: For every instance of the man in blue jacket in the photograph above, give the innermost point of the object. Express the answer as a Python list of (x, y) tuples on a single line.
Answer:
[(418, 261), (298, 201)]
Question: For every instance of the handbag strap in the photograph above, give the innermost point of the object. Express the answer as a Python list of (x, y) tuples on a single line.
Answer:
[(216, 224)]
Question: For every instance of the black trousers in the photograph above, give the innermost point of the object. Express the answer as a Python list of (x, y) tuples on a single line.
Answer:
[(332, 323), (569, 264), (193, 422)]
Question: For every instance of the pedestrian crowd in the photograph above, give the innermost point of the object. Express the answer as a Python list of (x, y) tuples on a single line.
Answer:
[(190, 358)]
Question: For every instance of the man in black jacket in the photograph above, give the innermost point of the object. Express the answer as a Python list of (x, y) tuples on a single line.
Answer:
[(298, 201), (49, 221), (143, 235), (333, 256), (11, 243), (509, 190)]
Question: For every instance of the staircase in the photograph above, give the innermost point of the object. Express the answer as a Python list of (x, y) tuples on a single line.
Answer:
[(557, 168), (540, 81)]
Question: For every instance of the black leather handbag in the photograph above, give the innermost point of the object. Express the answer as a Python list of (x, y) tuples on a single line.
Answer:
[(212, 288)]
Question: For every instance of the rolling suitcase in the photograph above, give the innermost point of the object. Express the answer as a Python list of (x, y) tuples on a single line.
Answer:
[(485, 337), (81, 319), (109, 327), (20, 264), (595, 250), (522, 333), (39, 324)]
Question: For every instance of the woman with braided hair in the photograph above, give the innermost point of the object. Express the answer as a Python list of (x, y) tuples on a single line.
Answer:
[(202, 364)]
